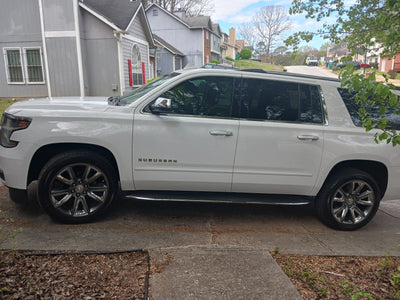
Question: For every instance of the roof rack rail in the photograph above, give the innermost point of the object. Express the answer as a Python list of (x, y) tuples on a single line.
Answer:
[(290, 74)]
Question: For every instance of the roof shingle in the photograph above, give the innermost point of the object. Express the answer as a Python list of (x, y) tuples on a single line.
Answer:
[(119, 12)]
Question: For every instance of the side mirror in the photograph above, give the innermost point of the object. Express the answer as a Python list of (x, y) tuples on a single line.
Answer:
[(161, 105)]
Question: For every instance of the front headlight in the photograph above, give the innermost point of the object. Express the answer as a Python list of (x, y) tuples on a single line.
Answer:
[(9, 124)]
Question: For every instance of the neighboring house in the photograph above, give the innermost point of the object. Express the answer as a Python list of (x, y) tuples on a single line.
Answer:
[(390, 63), (216, 37), (169, 59), (336, 53), (228, 44), (191, 35), (73, 48)]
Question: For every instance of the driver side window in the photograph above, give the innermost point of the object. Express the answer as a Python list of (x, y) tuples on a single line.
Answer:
[(203, 96)]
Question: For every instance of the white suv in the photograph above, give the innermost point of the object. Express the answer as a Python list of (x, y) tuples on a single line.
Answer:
[(203, 135)]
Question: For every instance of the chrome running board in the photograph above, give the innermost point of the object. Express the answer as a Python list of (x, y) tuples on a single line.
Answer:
[(219, 197)]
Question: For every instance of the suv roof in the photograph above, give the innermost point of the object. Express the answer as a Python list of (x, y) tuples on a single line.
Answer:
[(228, 69), (290, 74)]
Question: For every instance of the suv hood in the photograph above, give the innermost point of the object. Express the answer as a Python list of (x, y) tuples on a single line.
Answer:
[(59, 104)]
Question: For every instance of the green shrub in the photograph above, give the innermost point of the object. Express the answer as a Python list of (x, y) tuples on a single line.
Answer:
[(214, 61), (229, 58), (392, 74), (374, 65), (245, 53)]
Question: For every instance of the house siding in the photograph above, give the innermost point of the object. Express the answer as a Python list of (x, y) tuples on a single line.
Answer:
[(58, 15), (100, 57), (138, 37), (387, 64), (20, 27), (188, 41), (80, 54), (63, 66), (62, 52), (207, 46), (165, 62), (136, 29)]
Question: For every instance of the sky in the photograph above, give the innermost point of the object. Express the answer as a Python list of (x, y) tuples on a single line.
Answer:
[(232, 13)]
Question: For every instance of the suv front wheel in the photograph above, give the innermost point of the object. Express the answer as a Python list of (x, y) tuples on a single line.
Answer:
[(348, 200), (77, 186)]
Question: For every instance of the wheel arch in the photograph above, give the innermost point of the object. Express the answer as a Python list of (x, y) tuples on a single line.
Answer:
[(45, 153), (374, 168)]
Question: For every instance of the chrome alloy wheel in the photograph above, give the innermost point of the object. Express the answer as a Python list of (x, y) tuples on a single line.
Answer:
[(352, 202), (79, 190)]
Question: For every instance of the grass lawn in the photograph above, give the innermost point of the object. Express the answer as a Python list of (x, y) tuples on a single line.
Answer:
[(251, 64), (4, 104)]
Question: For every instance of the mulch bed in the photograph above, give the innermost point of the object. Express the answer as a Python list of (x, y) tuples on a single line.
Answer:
[(332, 277), (73, 276), (125, 276)]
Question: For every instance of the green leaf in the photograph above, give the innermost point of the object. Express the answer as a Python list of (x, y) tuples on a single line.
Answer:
[(383, 136)]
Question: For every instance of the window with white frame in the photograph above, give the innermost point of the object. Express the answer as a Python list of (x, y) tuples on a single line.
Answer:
[(23, 65), (14, 68), (136, 66), (33, 65)]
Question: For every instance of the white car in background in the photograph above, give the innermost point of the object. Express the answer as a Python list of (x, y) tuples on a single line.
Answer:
[(311, 61)]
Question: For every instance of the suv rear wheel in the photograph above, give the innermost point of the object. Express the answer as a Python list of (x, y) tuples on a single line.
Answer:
[(348, 200), (77, 186)]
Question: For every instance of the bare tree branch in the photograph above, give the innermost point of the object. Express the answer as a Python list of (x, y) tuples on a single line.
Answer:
[(246, 32), (269, 23)]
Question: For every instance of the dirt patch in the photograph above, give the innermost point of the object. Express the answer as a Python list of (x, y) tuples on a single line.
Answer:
[(331, 277), (73, 276)]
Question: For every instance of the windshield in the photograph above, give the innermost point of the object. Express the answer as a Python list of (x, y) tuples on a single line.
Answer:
[(136, 94)]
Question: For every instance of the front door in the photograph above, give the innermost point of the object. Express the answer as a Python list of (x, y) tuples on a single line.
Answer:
[(192, 145)]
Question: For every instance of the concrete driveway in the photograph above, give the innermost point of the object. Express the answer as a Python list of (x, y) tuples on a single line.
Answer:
[(210, 251), (311, 70), (154, 225)]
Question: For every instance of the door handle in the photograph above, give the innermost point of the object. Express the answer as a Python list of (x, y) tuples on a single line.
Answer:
[(221, 132), (308, 137)]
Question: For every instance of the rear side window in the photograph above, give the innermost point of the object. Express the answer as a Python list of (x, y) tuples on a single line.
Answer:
[(393, 120), (280, 101)]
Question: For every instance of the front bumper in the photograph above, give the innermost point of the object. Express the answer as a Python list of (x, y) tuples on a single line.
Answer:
[(14, 166)]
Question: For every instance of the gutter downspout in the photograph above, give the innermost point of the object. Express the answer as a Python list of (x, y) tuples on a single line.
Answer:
[(79, 48), (46, 62), (117, 36)]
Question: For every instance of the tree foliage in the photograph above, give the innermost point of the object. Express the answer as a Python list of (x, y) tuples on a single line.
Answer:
[(245, 53), (361, 26)]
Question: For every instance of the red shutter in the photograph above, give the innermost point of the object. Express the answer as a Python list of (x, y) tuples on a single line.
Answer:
[(143, 73), (130, 72)]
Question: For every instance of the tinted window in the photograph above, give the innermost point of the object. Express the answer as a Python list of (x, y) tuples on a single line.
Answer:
[(284, 101), (393, 120), (310, 104), (204, 96), (144, 89)]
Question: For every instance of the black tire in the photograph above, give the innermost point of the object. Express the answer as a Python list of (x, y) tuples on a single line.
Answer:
[(348, 200), (18, 196), (77, 186)]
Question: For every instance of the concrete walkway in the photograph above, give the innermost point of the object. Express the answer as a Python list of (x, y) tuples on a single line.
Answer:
[(219, 272)]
